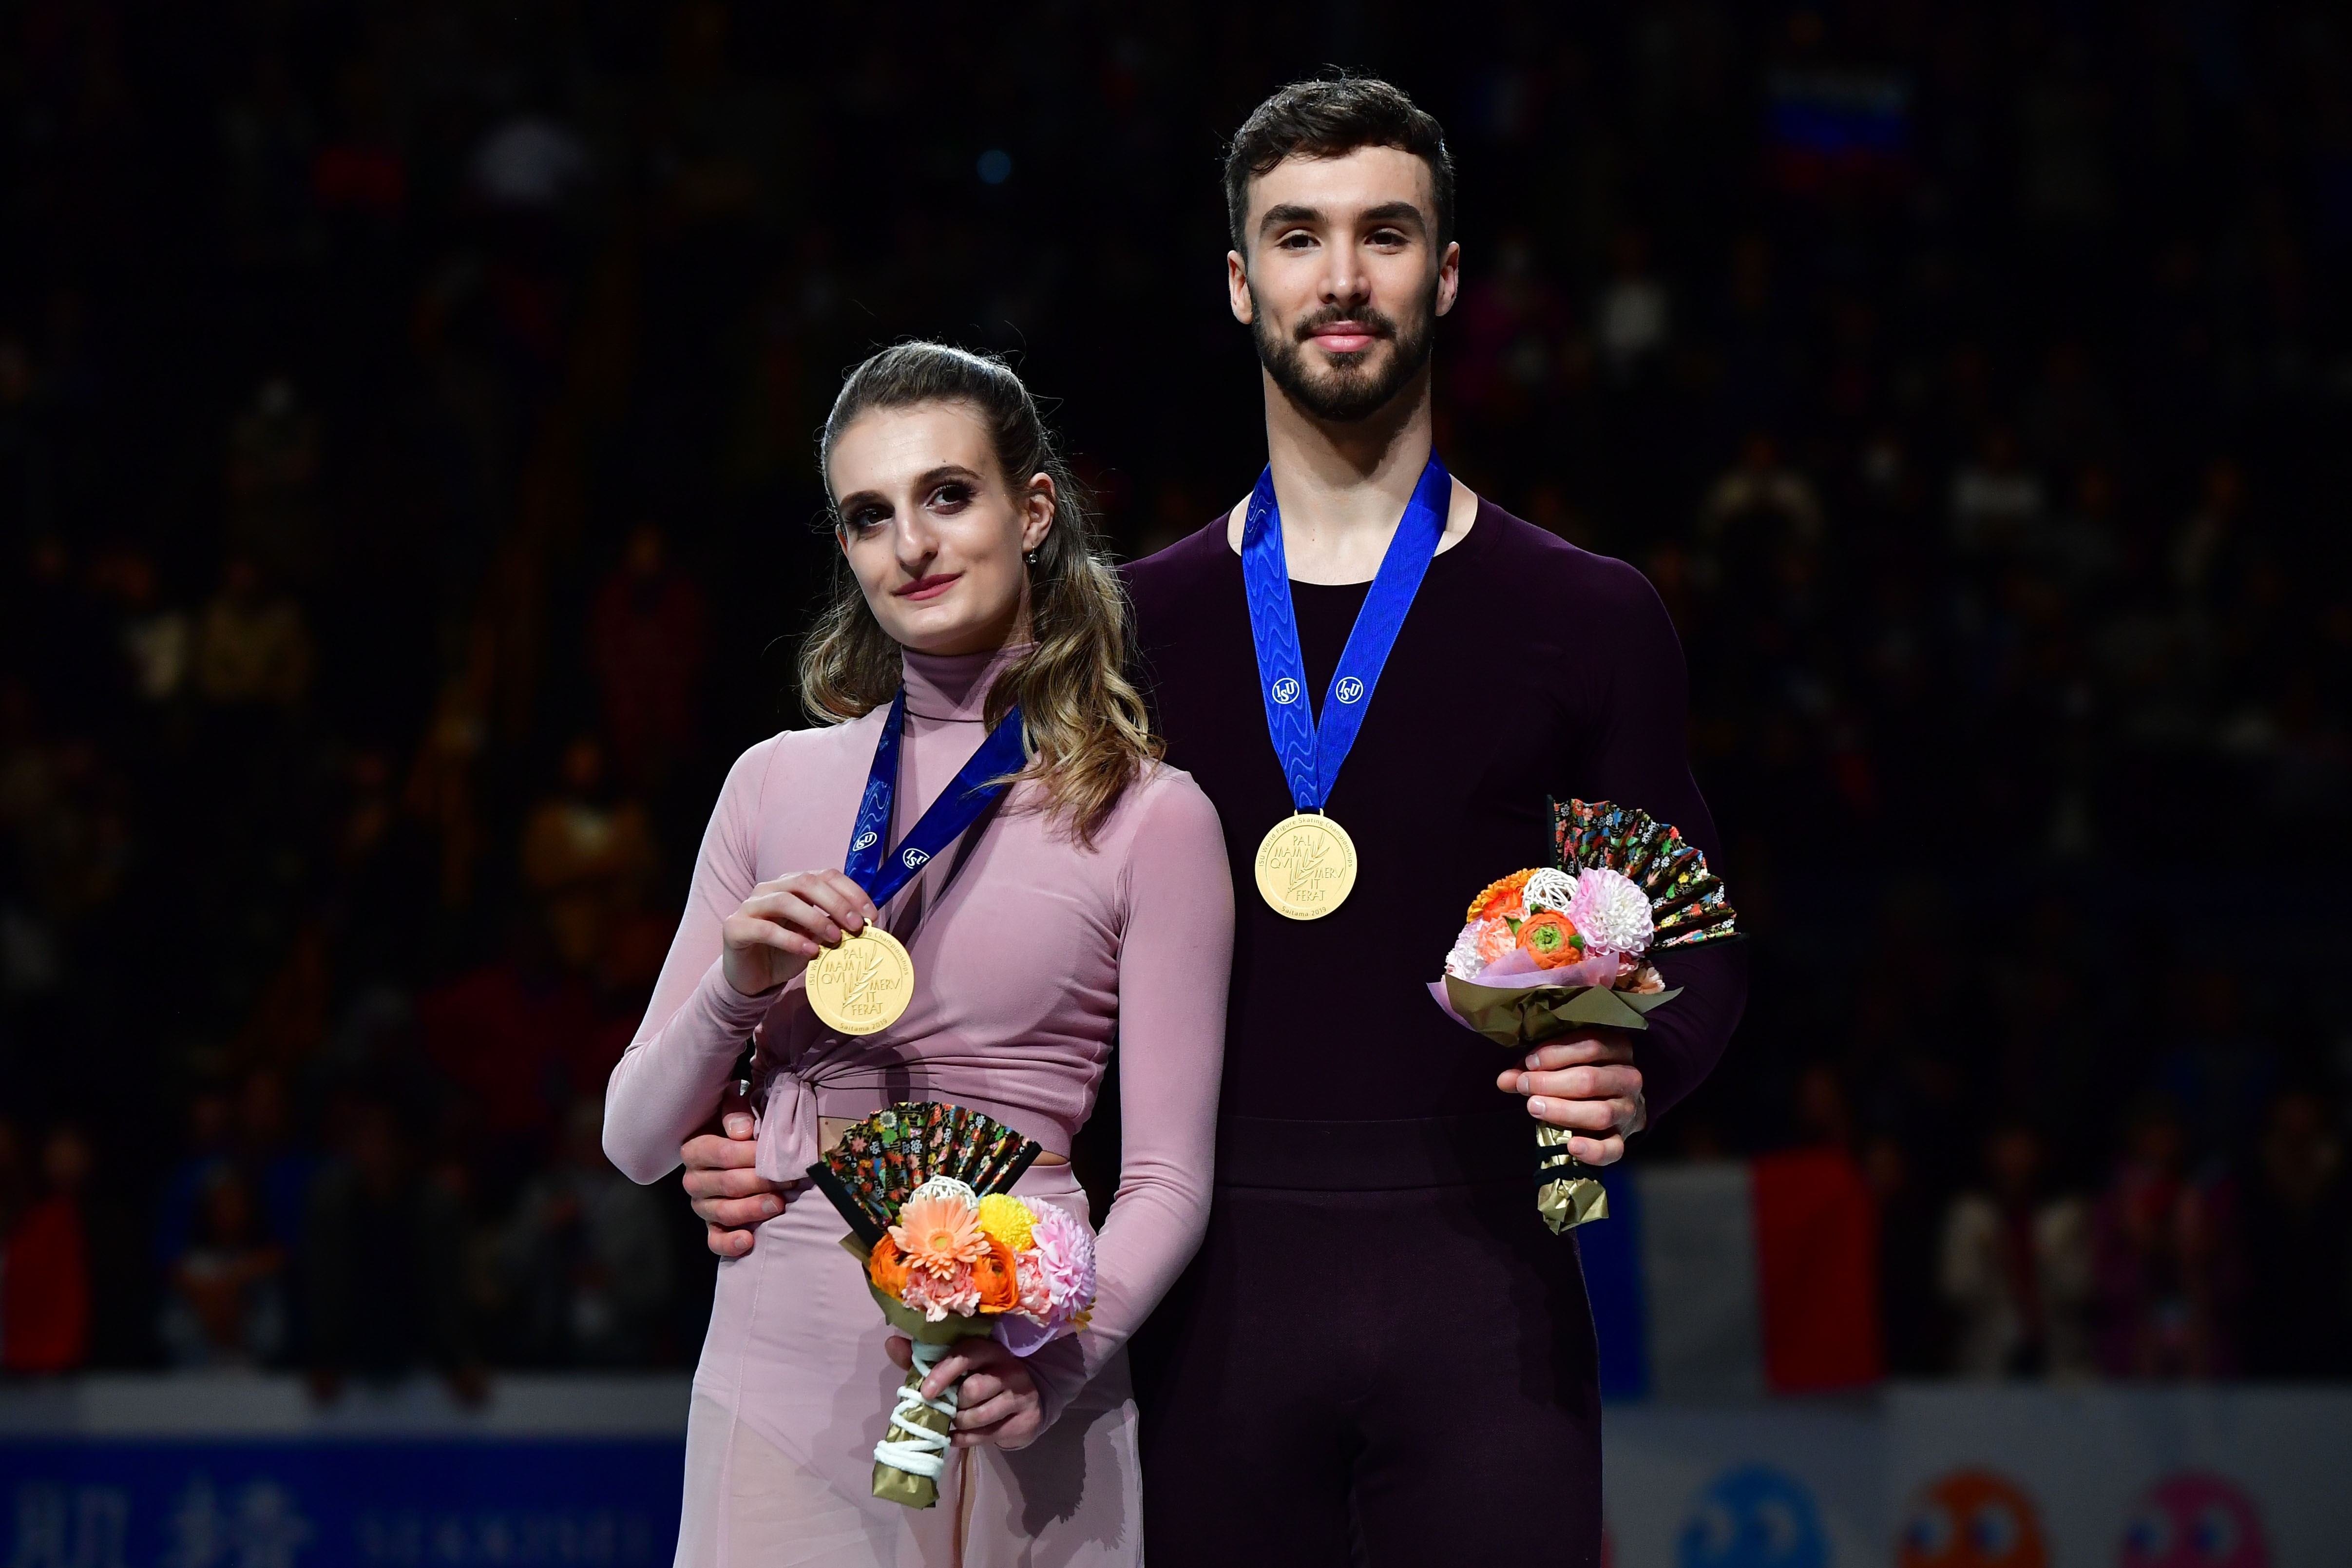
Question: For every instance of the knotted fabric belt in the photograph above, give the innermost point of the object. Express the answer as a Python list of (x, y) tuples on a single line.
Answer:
[(788, 1128), (790, 1110)]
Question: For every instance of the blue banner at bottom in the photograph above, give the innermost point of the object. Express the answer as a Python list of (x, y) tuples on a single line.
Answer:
[(107, 1504)]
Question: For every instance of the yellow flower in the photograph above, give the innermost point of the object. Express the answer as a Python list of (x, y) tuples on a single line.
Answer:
[(1006, 1218)]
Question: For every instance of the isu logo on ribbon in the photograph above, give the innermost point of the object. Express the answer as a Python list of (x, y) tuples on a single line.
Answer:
[(865, 841), (1286, 690), (914, 859), (1351, 690)]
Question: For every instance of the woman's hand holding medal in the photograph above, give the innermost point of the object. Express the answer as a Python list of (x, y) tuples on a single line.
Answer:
[(788, 921)]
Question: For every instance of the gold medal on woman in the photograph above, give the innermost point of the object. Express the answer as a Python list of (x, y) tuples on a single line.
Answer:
[(1306, 866), (863, 983)]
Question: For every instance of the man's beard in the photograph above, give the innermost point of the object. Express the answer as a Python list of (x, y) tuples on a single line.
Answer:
[(1349, 393)]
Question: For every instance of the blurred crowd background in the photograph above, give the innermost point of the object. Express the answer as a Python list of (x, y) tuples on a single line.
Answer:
[(406, 511)]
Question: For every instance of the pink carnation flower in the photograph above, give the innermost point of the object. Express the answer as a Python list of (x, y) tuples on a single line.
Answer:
[(1056, 1274), (936, 1298), (1064, 1255), (1494, 939)]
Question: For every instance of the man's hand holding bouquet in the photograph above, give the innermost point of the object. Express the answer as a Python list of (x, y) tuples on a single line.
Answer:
[(1565, 947)]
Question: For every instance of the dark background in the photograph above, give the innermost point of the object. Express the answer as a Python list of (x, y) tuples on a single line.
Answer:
[(406, 511)]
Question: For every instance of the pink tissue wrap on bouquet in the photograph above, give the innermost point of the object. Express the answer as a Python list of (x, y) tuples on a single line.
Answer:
[(1517, 970)]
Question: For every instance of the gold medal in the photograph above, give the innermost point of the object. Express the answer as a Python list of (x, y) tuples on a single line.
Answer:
[(863, 984), (1306, 866)]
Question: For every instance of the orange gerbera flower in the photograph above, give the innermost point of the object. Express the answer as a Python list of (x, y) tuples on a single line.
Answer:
[(1550, 940), (937, 1234), (1499, 899), (998, 1282), (886, 1268)]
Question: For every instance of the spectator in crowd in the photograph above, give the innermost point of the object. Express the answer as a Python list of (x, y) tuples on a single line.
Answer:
[(227, 1305), (65, 833), (589, 856), (1633, 316), (1761, 506), (1910, 1305), (2077, 550), (2016, 1268), (1511, 328), (1997, 501), (586, 1257), (154, 638), (280, 1171), (24, 453), (44, 1277), (2220, 1064), (2296, 1230), (2207, 545), (273, 462), (520, 1039), (384, 1264), (206, 1142), (647, 645), (2156, 1258), (252, 647)]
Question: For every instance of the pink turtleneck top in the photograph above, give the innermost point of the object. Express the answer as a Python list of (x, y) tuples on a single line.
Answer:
[(1031, 950)]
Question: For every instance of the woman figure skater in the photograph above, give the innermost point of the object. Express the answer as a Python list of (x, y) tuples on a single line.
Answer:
[(1091, 899)]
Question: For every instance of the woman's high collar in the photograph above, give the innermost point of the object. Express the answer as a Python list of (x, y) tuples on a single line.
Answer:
[(954, 686)]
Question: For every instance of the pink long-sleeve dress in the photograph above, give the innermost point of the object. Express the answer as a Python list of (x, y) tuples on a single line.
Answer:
[(1032, 950)]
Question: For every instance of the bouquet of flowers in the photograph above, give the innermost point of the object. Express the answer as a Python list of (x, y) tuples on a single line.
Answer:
[(1549, 950), (950, 1254)]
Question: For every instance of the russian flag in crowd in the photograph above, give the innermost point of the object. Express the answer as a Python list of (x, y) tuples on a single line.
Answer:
[(1727, 1280)]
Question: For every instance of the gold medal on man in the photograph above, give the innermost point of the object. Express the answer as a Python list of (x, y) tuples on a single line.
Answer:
[(862, 983), (1306, 866)]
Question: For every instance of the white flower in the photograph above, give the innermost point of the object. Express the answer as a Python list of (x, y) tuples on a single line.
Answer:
[(1550, 889), (1611, 912), (946, 1188)]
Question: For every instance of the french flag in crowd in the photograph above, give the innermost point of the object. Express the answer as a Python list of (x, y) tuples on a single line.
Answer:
[(1728, 1279)]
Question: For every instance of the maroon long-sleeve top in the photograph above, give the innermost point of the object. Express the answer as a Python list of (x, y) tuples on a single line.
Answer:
[(1526, 668)]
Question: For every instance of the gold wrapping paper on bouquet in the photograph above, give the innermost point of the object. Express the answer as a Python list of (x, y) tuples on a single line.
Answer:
[(896, 1485), (1568, 1199), (1520, 1018)]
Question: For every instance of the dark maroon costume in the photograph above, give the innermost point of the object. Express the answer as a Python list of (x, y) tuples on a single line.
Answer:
[(1380, 1354)]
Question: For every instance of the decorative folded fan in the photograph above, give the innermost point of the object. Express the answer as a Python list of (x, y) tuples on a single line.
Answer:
[(881, 1161), (1689, 906)]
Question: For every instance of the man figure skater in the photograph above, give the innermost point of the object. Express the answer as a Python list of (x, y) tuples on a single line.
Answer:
[(1380, 1353)]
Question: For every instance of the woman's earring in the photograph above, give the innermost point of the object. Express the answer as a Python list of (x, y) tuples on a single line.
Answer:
[(1032, 558)]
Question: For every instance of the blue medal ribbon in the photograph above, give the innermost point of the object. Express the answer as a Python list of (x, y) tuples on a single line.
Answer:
[(975, 786), (1311, 757)]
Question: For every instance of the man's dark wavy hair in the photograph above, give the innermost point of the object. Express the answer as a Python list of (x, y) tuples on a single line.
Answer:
[(1329, 118)]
